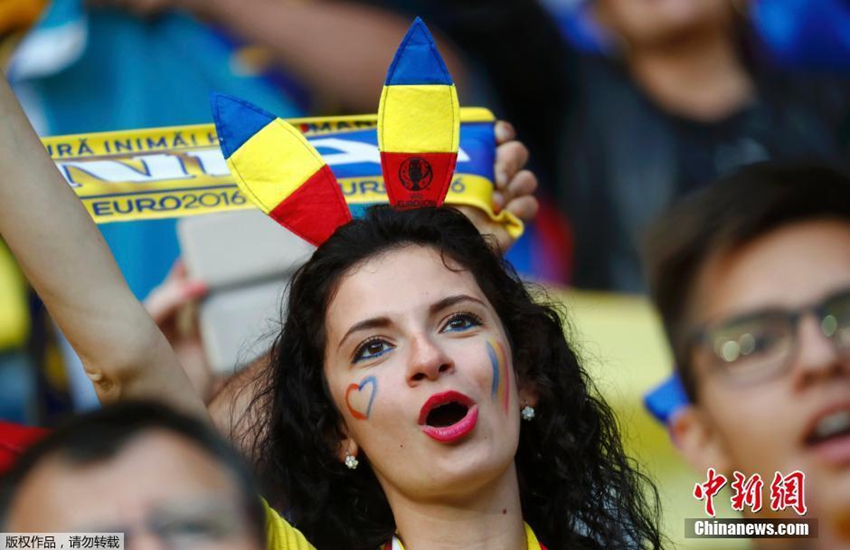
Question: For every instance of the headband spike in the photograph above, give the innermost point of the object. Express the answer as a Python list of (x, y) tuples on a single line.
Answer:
[(418, 123), (277, 168), (239, 121)]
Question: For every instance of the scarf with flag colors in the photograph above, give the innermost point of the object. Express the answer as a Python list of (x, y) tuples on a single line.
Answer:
[(175, 172)]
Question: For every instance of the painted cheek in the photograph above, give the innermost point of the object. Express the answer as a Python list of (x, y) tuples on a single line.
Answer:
[(359, 398), (500, 390)]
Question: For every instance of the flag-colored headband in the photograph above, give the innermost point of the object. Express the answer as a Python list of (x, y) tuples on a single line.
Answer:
[(418, 136)]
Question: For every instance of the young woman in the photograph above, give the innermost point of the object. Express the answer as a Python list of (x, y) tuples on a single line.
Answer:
[(410, 356), (397, 385)]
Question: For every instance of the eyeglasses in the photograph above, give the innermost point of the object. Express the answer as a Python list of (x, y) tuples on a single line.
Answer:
[(192, 525), (761, 345)]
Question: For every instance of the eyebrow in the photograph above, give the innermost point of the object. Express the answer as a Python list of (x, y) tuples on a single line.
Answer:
[(382, 322), (375, 322), (452, 300)]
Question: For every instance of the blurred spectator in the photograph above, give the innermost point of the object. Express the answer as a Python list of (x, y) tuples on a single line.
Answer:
[(674, 98), (752, 278), (682, 103), (792, 33), (138, 469)]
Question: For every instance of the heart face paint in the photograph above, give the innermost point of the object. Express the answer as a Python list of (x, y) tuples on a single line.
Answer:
[(359, 397), (500, 391)]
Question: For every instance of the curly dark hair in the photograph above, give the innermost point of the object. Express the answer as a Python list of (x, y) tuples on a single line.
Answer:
[(578, 489)]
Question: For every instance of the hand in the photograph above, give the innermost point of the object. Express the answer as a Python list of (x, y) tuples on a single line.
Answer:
[(514, 191), (171, 307)]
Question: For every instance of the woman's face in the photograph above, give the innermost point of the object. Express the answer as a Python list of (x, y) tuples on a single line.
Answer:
[(419, 366)]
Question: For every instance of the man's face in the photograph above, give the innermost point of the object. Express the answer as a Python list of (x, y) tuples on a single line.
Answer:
[(799, 417), (161, 490), (657, 22)]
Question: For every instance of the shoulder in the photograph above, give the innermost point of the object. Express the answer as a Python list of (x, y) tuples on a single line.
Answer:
[(826, 93)]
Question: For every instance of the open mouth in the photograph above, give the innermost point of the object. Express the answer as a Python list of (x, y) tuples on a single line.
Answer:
[(829, 428), (829, 438), (448, 416)]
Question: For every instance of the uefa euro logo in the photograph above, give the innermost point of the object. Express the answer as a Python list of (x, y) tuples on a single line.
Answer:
[(415, 174)]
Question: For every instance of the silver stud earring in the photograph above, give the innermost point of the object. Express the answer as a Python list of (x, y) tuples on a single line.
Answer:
[(351, 462), (527, 413)]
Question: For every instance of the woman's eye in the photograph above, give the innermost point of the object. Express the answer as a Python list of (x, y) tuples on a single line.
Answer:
[(462, 321), (371, 349)]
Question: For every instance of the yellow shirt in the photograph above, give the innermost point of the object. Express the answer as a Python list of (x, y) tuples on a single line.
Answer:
[(530, 541), (283, 536)]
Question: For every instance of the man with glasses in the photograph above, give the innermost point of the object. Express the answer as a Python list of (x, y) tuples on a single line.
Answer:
[(752, 278), (162, 479)]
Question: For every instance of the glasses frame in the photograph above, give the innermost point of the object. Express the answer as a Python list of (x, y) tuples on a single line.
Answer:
[(703, 336)]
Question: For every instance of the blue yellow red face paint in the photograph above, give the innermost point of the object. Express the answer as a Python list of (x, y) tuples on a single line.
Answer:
[(500, 390), (360, 397)]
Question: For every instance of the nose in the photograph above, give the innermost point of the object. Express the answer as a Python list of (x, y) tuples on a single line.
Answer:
[(816, 356), (428, 360)]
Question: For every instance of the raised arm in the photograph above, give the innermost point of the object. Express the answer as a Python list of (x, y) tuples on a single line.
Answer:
[(340, 49), (67, 261)]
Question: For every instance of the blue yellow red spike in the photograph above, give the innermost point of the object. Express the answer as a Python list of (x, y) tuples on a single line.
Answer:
[(279, 170), (418, 123)]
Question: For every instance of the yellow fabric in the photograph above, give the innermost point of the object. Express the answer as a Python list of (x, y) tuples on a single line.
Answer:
[(530, 540), (466, 190), (14, 316), (277, 160), (281, 535), (419, 119)]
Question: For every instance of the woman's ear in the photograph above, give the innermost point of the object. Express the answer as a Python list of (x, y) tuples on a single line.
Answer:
[(346, 446), (528, 395)]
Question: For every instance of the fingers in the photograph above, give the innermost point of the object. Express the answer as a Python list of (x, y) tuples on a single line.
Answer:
[(173, 294), (505, 132), (524, 208), (510, 159), (524, 183)]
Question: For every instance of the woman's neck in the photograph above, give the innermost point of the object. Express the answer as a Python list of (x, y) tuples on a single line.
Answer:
[(700, 76), (490, 518)]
